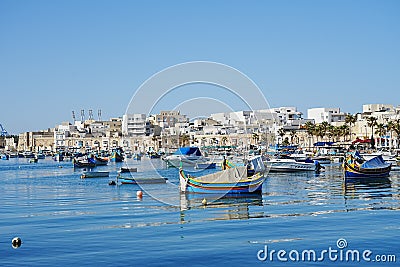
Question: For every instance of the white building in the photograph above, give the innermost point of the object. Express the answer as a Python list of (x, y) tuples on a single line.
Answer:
[(168, 119), (329, 115), (61, 132), (134, 125), (370, 108)]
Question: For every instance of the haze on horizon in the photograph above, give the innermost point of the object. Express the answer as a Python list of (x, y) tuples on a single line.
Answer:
[(59, 56)]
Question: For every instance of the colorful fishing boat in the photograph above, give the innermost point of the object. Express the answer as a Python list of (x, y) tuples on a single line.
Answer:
[(229, 181), (100, 161), (356, 166), (116, 155)]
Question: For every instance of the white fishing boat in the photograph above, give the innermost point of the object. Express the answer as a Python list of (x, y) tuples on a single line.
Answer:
[(322, 159), (186, 156), (289, 165), (206, 165)]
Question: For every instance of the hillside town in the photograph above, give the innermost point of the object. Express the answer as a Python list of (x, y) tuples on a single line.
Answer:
[(376, 124)]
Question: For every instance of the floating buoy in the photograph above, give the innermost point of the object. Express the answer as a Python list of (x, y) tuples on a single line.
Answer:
[(139, 194), (204, 201), (112, 183), (16, 242)]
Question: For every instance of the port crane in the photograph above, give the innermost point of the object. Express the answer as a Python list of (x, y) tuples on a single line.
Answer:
[(3, 131)]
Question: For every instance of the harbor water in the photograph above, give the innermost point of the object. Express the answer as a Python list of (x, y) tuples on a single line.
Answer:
[(63, 220)]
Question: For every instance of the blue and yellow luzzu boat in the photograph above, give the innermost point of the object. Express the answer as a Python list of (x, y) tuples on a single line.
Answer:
[(357, 167), (229, 181)]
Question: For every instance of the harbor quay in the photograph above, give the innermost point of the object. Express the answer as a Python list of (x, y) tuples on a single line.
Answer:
[(378, 125)]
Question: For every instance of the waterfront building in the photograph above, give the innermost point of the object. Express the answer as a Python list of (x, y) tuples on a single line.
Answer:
[(168, 119), (36, 141), (329, 115), (134, 125)]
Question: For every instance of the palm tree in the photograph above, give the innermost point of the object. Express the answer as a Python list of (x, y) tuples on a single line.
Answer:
[(390, 126), (380, 131), (371, 121), (183, 139), (350, 120), (154, 139), (292, 136), (331, 132), (324, 128), (344, 130), (255, 137), (174, 142), (396, 128), (203, 141), (213, 140), (281, 132), (319, 131), (310, 128), (224, 139)]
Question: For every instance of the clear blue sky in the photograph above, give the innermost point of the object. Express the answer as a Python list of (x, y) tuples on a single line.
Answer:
[(58, 56)]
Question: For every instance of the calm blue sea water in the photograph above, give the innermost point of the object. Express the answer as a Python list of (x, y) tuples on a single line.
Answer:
[(67, 221)]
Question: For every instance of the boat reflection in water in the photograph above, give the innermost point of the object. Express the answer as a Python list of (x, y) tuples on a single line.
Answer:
[(367, 188), (228, 207)]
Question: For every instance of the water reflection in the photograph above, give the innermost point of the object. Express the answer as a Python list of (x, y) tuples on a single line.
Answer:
[(367, 188), (225, 208)]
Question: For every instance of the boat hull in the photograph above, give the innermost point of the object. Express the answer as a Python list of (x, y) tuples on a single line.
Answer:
[(351, 172), (94, 174), (289, 165), (249, 186), (80, 164), (357, 167), (205, 165), (126, 180), (115, 157)]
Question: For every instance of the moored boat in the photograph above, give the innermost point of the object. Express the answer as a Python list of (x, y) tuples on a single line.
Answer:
[(185, 156), (116, 155), (207, 165), (5, 156), (289, 165), (83, 163), (356, 166), (33, 160), (132, 180), (26, 154), (124, 170), (94, 174), (228, 181), (100, 161), (40, 155)]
